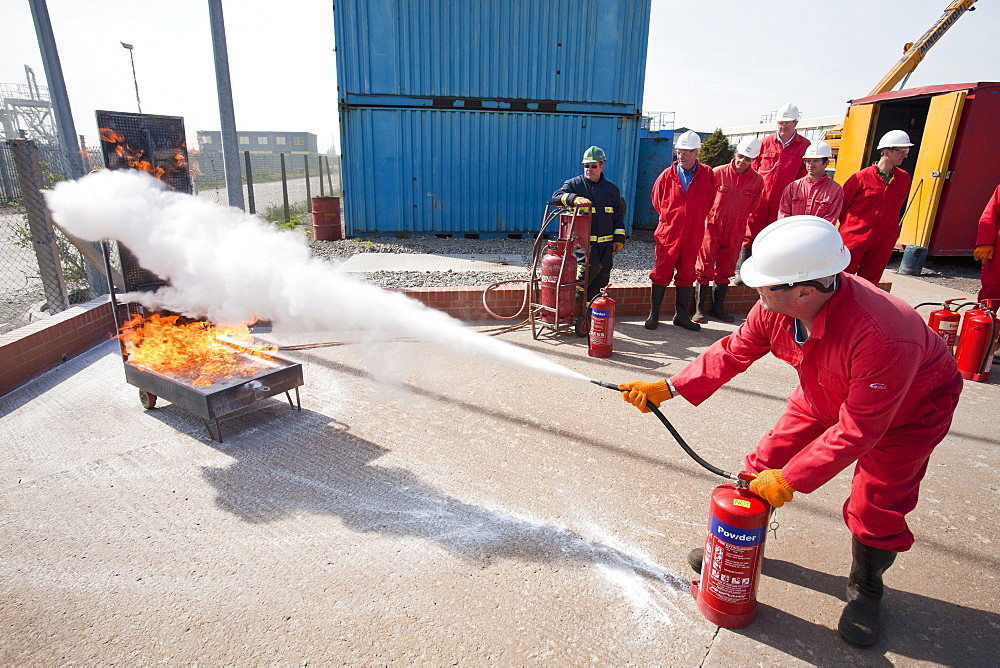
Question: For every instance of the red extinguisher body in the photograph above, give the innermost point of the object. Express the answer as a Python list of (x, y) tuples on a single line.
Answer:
[(602, 326), (977, 343), (944, 322), (734, 553), (562, 301)]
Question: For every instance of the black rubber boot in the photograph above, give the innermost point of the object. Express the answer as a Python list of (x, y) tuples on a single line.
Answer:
[(719, 303), (744, 254), (700, 297), (656, 294), (681, 306), (859, 623), (695, 557)]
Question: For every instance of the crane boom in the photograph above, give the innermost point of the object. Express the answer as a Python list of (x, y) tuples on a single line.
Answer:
[(916, 52)]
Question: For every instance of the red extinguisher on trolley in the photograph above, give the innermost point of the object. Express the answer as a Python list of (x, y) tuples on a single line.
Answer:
[(602, 325), (558, 283), (977, 342)]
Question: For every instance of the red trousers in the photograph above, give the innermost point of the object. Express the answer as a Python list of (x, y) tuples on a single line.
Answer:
[(886, 478), (870, 258), (717, 259), (991, 278)]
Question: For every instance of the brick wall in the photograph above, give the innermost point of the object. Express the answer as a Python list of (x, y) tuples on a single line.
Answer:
[(30, 351), (631, 300)]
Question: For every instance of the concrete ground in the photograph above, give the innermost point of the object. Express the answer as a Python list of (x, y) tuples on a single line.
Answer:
[(454, 511)]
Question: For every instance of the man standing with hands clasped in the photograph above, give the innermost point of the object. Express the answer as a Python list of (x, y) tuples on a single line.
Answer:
[(682, 196), (815, 194), (738, 192), (876, 386)]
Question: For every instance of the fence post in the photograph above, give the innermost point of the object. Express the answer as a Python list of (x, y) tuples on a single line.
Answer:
[(284, 187), (253, 205), (43, 238), (329, 177), (319, 163), (305, 160)]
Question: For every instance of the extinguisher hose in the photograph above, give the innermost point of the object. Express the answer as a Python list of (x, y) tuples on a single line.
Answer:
[(988, 358), (677, 437)]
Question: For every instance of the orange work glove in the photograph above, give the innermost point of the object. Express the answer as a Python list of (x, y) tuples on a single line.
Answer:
[(579, 200), (617, 246), (638, 393), (983, 253), (771, 486)]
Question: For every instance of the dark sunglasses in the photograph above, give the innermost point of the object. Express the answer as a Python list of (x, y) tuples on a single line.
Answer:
[(775, 288), (591, 166)]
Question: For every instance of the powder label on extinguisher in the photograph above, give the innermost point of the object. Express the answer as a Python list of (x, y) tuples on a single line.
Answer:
[(735, 535)]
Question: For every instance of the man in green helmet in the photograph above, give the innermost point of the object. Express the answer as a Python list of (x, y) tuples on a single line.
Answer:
[(607, 228)]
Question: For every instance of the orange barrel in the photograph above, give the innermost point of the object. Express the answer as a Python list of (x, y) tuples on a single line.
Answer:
[(326, 219)]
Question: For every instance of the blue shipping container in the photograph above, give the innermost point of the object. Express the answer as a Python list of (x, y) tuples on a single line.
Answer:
[(584, 51), (427, 171)]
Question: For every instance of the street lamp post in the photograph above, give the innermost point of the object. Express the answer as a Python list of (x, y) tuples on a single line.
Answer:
[(134, 80)]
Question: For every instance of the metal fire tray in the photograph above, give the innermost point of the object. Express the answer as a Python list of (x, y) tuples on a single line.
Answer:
[(212, 402)]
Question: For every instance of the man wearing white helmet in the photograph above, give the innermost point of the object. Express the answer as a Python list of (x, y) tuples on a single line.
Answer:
[(874, 199), (780, 163), (815, 194), (876, 386), (682, 195), (737, 194)]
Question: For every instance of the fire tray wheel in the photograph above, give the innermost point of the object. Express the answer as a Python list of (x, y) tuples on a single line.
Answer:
[(147, 399), (582, 327)]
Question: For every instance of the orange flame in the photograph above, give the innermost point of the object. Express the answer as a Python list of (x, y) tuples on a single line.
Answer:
[(197, 352), (131, 157)]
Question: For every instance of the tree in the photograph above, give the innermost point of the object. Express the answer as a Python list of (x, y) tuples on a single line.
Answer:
[(715, 150)]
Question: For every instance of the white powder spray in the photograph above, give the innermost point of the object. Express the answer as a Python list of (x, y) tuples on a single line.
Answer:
[(231, 267)]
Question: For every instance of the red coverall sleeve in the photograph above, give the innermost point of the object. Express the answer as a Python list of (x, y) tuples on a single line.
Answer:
[(785, 205), (836, 205), (881, 377), (659, 191), (850, 192), (724, 359), (989, 223)]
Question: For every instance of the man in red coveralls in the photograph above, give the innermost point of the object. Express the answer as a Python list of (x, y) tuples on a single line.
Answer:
[(815, 194), (986, 242), (876, 387), (738, 192), (873, 204), (780, 163), (682, 195)]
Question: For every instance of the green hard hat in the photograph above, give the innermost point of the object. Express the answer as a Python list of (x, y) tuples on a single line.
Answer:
[(594, 154)]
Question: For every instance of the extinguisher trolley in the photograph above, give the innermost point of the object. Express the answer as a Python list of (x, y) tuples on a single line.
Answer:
[(560, 272)]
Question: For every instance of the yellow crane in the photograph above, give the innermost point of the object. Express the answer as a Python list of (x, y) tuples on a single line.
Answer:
[(913, 53)]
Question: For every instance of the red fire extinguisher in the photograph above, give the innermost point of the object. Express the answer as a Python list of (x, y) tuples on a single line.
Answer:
[(602, 326), (558, 268), (977, 342), (944, 321), (734, 553)]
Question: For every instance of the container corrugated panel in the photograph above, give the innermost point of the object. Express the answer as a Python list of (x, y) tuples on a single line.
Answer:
[(426, 171), (590, 51), (655, 155)]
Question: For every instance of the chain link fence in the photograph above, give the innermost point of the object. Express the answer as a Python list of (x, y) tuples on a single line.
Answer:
[(43, 272)]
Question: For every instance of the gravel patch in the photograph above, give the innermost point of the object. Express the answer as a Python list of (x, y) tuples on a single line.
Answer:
[(632, 264)]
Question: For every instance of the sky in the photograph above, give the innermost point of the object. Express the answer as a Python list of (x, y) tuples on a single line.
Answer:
[(715, 63)]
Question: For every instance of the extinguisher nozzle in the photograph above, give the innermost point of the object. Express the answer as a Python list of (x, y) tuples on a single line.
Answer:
[(604, 383)]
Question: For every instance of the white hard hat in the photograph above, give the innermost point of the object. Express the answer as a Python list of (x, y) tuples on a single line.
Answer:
[(894, 139), (688, 140), (788, 112), (794, 249), (750, 147), (818, 149)]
